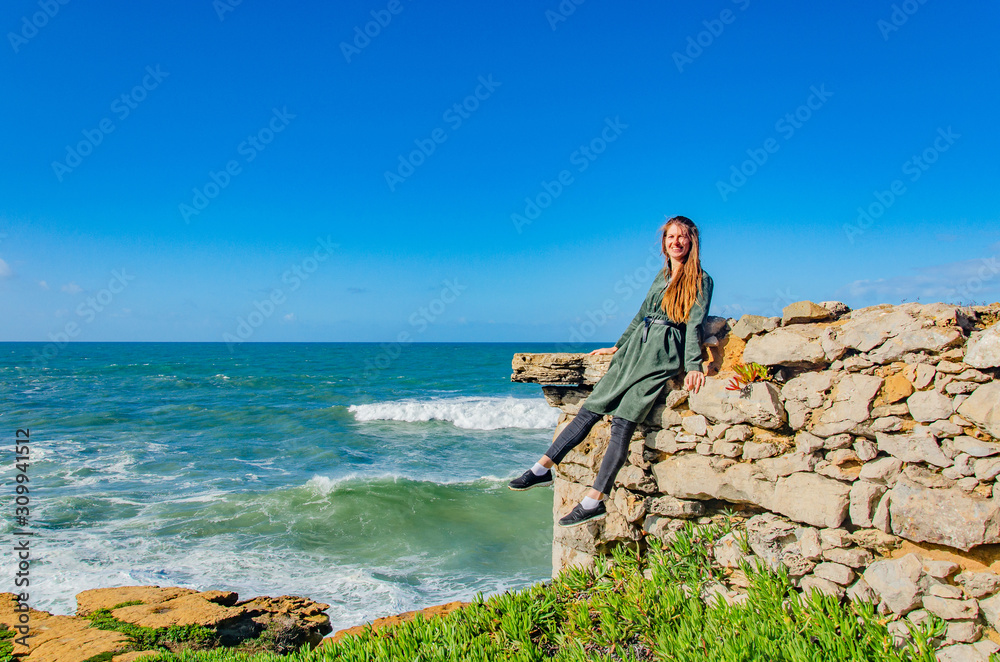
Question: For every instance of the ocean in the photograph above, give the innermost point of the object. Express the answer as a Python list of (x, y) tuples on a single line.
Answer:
[(367, 477)]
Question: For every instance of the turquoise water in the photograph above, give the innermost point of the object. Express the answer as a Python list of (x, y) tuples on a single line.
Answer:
[(280, 469)]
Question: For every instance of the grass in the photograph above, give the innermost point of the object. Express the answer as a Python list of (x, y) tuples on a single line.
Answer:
[(630, 608), (143, 638), (6, 643)]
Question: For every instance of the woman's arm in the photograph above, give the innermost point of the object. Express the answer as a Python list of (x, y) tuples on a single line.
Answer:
[(692, 335)]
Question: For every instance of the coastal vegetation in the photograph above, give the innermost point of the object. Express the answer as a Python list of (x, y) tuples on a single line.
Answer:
[(656, 605)]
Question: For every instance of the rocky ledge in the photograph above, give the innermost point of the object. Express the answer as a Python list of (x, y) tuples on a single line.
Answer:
[(127, 622), (866, 464)]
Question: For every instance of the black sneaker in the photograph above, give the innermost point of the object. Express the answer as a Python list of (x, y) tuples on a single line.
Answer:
[(528, 479), (580, 515)]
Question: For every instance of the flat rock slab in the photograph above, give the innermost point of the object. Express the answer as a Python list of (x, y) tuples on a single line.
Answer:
[(559, 368), (803, 497), (943, 516)]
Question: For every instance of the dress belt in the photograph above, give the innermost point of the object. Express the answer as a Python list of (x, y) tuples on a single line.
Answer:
[(652, 320)]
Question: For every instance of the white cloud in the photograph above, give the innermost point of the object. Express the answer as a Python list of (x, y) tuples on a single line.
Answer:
[(955, 282), (289, 318), (5, 270), (42, 284), (72, 288)]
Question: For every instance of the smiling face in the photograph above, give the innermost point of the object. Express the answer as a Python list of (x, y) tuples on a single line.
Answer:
[(677, 242)]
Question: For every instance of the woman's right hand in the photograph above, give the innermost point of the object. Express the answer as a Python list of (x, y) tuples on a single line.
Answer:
[(605, 350)]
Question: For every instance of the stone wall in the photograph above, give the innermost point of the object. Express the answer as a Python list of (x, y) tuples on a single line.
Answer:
[(867, 465)]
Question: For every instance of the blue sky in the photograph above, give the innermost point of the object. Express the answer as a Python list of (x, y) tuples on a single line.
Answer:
[(186, 171)]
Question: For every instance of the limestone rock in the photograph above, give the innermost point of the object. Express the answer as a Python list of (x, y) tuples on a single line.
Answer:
[(808, 443), (896, 388), (738, 433), (809, 387), (864, 497), (822, 585), (932, 339), (990, 608), (852, 398), (852, 557), (812, 499), (888, 424), (566, 398), (919, 446), (983, 349), (788, 346), (669, 506), (753, 450), (870, 327), (632, 506), (762, 408), (634, 478), (836, 308), (787, 464), (860, 591), (882, 471), (696, 424), (804, 312), (803, 497), (559, 368), (716, 403), (750, 325), (666, 441), (977, 652), (940, 569), (979, 584), (963, 632), (927, 406), (727, 449), (769, 536), (946, 591), (983, 408), (951, 610), (727, 551), (897, 582), (835, 572), (946, 517), (866, 450), (975, 447)]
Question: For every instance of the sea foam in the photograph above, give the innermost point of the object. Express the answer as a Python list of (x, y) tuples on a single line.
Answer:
[(470, 413)]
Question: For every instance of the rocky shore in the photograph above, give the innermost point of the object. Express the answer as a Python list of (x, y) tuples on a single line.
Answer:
[(865, 465), (126, 622)]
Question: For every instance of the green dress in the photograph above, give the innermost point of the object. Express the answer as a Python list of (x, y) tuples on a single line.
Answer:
[(640, 370)]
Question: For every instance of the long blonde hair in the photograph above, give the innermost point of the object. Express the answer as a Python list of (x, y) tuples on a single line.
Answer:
[(683, 289)]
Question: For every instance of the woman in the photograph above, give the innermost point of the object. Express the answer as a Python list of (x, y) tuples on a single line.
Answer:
[(662, 341)]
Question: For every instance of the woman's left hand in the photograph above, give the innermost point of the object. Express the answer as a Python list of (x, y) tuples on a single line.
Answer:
[(694, 380)]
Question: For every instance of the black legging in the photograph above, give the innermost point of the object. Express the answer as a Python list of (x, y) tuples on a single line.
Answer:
[(614, 457)]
